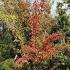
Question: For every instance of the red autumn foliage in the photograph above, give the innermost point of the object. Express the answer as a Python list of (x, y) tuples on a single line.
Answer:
[(46, 50), (39, 5), (51, 38), (35, 23), (24, 59), (36, 5), (42, 53), (52, 50), (29, 48)]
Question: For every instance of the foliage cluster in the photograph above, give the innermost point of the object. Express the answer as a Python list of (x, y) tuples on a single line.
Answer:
[(30, 39)]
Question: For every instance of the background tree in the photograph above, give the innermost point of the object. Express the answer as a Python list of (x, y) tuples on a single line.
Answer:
[(63, 23), (14, 14)]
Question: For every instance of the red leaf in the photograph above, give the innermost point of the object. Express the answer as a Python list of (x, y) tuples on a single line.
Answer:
[(36, 5), (29, 49), (35, 23), (52, 50), (24, 59), (53, 37)]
